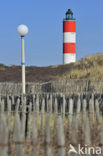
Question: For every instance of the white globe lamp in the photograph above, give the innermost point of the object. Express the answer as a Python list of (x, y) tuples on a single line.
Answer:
[(22, 30)]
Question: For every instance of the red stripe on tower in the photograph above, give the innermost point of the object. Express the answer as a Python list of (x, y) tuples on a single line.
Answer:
[(69, 38), (69, 48), (69, 26)]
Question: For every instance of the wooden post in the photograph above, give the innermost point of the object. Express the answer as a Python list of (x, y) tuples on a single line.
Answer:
[(78, 110), (47, 136), (56, 106), (84, 106), (35, 134), (17, 106), (55, 117), (42, 119), (74, 134), (64, 104), (60, 137), (78, 105), (70, 115), (9, 112), (28, 121), (91, 111), (0, 102), (87, 135), (97, 110), (3, 134), (2, 106), (37, 103), (50, 103), (47, 100), (23, 122), (18, 135), (101, 138)]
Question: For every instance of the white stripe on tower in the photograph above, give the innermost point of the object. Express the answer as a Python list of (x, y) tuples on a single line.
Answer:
[(69, 37), (69, 58)]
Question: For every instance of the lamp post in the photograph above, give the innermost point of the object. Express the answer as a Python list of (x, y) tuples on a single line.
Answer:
[(22, 31)]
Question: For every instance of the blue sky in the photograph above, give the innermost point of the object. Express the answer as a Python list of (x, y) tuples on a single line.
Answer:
[(43, 44)]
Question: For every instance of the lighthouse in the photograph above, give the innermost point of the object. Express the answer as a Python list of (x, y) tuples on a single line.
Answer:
[(69, 38)]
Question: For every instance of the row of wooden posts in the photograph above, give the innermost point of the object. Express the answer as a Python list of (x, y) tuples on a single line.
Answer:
[(59, 102), (46, 124), (73, 85)]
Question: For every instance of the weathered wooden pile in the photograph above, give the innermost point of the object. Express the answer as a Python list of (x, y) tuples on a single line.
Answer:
[(46, 124)]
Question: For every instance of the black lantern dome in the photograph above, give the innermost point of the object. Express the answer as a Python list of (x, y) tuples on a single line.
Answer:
[(69, 15)]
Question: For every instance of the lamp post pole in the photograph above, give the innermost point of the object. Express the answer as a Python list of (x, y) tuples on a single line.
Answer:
[(22, 31), (23, 64)]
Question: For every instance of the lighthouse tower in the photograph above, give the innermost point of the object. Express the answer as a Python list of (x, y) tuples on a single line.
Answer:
[(69, 38)]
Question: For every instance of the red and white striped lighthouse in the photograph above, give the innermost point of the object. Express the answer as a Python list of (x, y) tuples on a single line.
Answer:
[(69, 38)]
